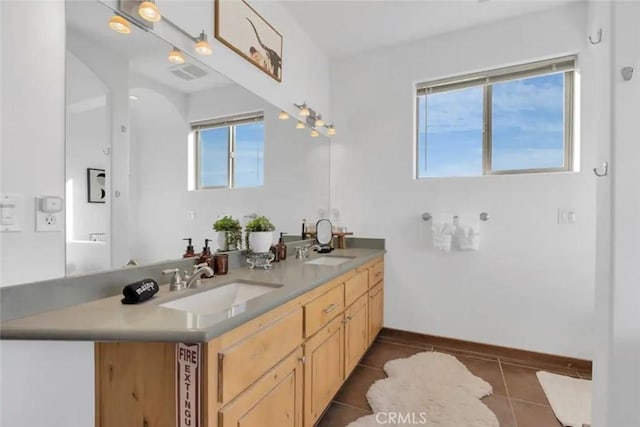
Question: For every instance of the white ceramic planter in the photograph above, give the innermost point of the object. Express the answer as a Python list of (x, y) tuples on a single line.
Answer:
[(260, 241), (222, 240)]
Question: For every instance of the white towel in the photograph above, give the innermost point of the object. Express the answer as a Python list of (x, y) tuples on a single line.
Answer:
[(467, 234), (442, 229)]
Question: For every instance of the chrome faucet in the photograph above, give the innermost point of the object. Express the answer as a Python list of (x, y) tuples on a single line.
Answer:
[(198, 271), (302, 252)]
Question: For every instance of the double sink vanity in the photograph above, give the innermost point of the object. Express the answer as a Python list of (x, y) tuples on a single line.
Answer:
[(251, 348)]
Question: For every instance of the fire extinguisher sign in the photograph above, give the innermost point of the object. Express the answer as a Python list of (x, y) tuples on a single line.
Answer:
[(188, 384)]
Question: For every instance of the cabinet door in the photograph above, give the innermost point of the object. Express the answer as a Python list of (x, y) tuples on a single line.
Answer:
[(376, 310), (274, 400), (323, 369), (355, 333)]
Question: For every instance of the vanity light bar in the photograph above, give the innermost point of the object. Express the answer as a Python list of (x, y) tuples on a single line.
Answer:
[(313, 120), (150, 12)]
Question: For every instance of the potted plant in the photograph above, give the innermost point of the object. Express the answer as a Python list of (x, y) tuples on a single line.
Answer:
[(259, 234), (229, 233)]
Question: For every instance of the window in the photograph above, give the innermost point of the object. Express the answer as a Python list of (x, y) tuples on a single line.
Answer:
[(229, 153), (511, 120)]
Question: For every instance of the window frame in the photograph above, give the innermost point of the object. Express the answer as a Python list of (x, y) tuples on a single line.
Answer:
[(227, 122), (565, 65)]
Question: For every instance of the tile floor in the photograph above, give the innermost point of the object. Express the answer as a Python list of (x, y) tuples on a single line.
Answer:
[(517, 399)]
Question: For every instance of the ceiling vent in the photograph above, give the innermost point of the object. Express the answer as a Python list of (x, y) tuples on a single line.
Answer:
[(188, 72)]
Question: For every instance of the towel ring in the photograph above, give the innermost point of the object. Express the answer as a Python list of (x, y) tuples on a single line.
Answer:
[(594, 42), (606, 170)]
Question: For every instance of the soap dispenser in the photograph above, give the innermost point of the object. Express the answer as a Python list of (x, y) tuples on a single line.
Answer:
[(189, 252), (205, 256), (282, 247)]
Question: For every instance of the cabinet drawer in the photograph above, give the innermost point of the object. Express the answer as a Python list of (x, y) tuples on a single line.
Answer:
[(377, 273), (275, 400), (355, 287), (322, 309), (243, 363)]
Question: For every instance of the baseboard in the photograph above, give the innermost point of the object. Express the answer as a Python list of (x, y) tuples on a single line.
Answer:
[(506, 354)]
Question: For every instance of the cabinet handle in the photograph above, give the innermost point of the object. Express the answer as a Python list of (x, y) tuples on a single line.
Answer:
[(330, 308), (301, 359), (349, 318)]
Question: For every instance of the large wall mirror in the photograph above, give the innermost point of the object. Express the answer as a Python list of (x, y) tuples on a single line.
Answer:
[(147, 150)]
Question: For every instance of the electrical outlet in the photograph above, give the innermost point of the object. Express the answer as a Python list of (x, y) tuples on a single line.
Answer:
[(49, 211)]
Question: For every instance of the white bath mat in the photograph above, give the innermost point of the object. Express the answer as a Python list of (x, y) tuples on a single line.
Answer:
[(570, 398), (429, 388)]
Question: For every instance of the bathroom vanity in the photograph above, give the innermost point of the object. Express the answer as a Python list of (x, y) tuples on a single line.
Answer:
[(273, 360)]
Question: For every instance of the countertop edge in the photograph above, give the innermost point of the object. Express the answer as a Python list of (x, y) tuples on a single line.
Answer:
[(201, 335)]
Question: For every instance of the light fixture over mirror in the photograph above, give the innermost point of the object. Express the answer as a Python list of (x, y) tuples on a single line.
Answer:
[(149, 11), (319, 121), (202, 45), (283, 115), (176, 56), (315, 133), (300, 125), (120, 25), (304, 110), (331, 130)]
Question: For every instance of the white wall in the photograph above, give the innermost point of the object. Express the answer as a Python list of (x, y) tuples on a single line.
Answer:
[(624, 345), (296, 180), (531, 285), (46, 384), (32, 140)]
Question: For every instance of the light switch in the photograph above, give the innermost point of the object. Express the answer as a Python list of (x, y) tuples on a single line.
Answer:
[(11, 212), (566, 216)]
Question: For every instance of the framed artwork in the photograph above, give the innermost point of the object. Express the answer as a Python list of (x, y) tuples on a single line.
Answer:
[(239, 27), (97, 192)]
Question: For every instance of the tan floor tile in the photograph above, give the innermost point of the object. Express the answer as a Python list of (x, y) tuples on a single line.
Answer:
[(532, 415), (500, 406), (354, 391), (339, 415), (381, 352), (488, 371), (523, 384)]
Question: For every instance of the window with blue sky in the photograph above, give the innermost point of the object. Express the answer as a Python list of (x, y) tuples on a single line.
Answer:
[(231, 155), (496, 124)]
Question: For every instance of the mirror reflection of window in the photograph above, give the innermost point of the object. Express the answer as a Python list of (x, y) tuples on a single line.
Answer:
[(230, 152)]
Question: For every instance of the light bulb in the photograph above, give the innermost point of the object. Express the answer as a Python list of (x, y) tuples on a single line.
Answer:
[(314, 133), (283, 115), (176, 57), (119, 24), (300, 125), (149, 11), (319, 121), (203, 47), (304, 111), (331, 131)]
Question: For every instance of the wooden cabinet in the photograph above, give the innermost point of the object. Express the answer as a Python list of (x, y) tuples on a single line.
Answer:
[(376, 310), (241, 364), (322, 309), (282, 368), (323, 370), (355, 287), (275, 400), (356, 325)]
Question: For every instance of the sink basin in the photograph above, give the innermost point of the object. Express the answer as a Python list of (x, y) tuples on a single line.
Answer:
[(225, 301), (330, 260)]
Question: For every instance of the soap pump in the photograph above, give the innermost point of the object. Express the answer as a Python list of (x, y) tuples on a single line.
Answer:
[(282, 247), (205, 256), (189, 252)]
